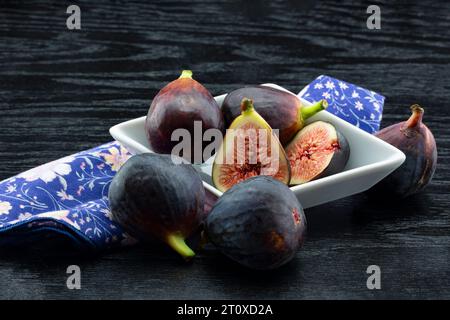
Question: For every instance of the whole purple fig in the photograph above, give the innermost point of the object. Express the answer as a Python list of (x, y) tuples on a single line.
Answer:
[(417, 142)]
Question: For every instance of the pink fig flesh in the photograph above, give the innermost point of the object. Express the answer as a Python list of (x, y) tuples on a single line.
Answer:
[(318, 150)]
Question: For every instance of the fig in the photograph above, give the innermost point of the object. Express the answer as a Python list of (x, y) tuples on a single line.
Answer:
[(318, 150), (258, 223), (250, 148), (282, 110), (417, 142), (154, 198), (182, 104)]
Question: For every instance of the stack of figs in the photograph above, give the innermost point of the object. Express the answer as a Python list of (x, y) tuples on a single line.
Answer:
[(304, 152), (268, 146)]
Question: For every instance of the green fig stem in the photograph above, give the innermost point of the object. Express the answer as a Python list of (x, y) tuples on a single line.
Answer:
[(177, 243), (416, 117), (186, 74), (246, 105), (309, 111)]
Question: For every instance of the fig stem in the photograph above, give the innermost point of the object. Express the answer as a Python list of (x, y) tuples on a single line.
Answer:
[(186, 74), (246, 105), (309, 111), (177, 243), (416, 117)]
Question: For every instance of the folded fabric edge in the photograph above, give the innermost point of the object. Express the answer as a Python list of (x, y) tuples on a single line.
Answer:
[(72, 155), (80, 240), (22, 238)]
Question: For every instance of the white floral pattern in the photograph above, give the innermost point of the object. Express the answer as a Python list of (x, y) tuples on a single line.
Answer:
[(356, 105), (359, 106), (68, 195), (49, 171), (5, 207)]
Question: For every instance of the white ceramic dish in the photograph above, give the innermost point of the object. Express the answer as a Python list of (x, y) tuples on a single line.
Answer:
[(371, 159)]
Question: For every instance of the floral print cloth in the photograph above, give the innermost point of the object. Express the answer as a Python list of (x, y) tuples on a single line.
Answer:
[(69, 196), (358, 106)]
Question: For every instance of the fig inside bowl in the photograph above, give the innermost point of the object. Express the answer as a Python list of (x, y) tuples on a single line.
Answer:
[(371, 159)]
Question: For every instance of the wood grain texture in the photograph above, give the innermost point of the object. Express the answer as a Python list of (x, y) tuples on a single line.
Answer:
[(61, 90)]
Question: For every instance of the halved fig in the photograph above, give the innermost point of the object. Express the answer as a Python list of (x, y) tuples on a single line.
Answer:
[(250, 148), (318, 150), (282, 110)]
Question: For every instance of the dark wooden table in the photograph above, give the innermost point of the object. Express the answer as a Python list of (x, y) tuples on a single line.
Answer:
[(60, 91)]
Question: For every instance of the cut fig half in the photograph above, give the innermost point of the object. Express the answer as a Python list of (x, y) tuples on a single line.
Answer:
[(318, 150), (250, 148)]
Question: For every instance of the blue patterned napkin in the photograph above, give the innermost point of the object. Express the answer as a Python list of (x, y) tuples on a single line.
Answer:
[(358, 106), (69, 196)]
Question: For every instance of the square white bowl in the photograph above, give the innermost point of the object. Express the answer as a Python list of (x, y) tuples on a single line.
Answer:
[(371, 159)]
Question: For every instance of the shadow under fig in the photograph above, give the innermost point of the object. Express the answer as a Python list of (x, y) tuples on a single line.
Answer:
[(352, 215), (374, 208), (236, 275)]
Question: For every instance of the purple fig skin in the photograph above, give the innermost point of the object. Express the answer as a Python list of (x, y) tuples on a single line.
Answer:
[(281, 110), (151, 197), (177, 106), (417, 142)]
